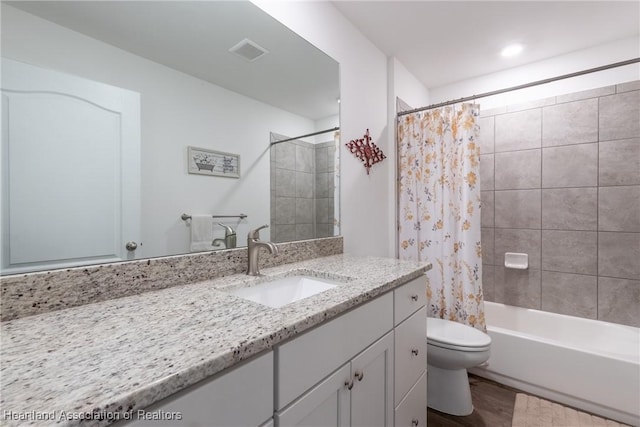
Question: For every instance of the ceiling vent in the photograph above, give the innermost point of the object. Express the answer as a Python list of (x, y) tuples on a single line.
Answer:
[(249, 50)]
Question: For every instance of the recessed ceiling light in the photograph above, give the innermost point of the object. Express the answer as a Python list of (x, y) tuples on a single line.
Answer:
[(512, 50)]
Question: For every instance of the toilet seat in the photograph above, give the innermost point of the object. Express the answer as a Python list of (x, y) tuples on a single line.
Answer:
[(456, 336)]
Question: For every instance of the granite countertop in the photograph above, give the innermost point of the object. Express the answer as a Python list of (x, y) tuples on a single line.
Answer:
[(127, 353)]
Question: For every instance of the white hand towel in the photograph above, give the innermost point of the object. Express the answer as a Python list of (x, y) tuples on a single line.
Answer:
[(201, 233)]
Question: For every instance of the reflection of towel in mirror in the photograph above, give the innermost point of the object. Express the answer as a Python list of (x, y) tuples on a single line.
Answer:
[(201, 233)]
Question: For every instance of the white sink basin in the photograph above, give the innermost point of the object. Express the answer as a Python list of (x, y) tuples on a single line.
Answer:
[(280, 292)]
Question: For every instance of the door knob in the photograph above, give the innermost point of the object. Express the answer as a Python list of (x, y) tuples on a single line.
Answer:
[(131, 246)]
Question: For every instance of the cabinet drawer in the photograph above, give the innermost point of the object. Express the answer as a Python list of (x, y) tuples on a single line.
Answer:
[(409, 298), (307, 359), (410, 352), (241, 397), (412, 411)]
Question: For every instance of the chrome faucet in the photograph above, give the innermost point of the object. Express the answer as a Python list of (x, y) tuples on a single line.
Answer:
[(229, 238), (254, 244)]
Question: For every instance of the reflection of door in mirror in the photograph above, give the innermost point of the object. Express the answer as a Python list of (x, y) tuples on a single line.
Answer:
[(304, 186), (83, 140)]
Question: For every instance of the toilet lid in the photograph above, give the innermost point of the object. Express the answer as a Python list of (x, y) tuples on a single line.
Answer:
[(448, 333)]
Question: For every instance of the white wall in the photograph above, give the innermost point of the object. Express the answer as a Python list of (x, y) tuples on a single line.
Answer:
[(365, 199), (324, 124), (177, 111), (406, 86), (576, 61)]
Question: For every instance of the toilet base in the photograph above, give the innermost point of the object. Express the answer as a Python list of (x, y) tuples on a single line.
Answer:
[(448, 391)]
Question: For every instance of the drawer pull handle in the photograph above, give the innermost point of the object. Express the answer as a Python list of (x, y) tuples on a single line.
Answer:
[(415, 351), (359, 375), (415, 422), (414, 297), (348, 384)]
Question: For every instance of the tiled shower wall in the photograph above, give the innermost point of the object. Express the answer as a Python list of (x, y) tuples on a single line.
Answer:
[(560, 180), (301, 190), (325, 172)]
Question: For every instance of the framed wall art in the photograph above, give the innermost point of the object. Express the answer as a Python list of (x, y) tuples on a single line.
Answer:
[(215, 163)]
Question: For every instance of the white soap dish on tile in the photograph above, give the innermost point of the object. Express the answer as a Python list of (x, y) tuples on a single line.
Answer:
[(516, 260)]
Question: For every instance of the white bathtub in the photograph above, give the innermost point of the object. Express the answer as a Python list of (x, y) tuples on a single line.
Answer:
[(587, 364)]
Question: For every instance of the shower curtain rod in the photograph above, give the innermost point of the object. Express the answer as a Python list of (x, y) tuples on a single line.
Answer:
[(522, 86), (304, 136)]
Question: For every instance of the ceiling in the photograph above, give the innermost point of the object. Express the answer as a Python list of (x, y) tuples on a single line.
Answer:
[(195, 37), (442, 42)]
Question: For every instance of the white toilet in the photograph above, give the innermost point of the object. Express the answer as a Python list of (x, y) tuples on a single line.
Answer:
[(452, 348)]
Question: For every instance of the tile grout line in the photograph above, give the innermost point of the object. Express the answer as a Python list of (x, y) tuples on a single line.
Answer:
[(598, 213), (493, 187), (541, 179), (556, 146)]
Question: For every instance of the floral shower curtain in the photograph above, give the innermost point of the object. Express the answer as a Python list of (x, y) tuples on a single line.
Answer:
[(439, 208)]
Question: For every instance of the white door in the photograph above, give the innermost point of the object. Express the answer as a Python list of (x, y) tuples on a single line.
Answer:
[(70, 170)]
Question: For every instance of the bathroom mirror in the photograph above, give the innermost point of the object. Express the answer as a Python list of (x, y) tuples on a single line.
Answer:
[(213, 76)]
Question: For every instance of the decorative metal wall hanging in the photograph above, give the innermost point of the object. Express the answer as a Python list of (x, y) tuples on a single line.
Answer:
[(365, 150)]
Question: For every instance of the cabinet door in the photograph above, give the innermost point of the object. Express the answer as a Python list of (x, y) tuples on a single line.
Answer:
[(325, 405), (372, 392), (242, 397), (329, 346)]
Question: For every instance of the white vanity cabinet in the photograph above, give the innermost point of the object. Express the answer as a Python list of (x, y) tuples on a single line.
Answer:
[(340, 373), (241, 396), (358, 393), (364, 368)]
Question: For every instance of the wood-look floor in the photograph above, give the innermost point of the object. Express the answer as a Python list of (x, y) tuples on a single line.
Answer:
[(492, 407)]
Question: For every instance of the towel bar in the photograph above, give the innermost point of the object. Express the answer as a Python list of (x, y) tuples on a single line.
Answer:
[(241, 216)]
